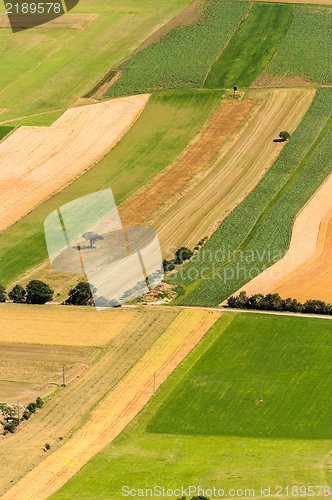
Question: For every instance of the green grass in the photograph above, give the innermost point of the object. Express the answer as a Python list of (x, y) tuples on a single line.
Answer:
[(162, 131), (4, 130), (305, 51), (257, 232), (44, 70), (182, 57), (252, 46), (282, 348)]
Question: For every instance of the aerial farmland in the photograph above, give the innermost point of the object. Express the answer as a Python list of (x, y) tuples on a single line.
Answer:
[(191, 140)]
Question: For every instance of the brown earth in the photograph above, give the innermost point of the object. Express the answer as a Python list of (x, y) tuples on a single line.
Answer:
[(64, 22), (47, 159), (69, 409), (118, 407)]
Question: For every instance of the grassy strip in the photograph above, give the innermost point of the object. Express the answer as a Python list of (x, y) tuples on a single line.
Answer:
[(257, 232), (252, 46), (305, 51), (139, 459), (162, 131), (106, 78), (182, 58)]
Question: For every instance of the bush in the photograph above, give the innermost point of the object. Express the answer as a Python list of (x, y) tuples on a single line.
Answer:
[(17, 294), (81, 295), (284, 135), (168, 265), (182, 254), (32, 407), (39, 402), (47, 446), (26, 415), (38, 292), (2, 293)]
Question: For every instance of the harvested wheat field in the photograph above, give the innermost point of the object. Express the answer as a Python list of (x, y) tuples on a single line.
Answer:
[(28, 371), (219, 168), (38, 161), (64, 22), (118, 407), (305, 272), (70, 407)]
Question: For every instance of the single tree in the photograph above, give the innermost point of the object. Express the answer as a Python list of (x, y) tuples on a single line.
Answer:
[(81, 295), (168, 265), (2, 293), (284, 135), (92, 237), (17, 294), (38, 292)]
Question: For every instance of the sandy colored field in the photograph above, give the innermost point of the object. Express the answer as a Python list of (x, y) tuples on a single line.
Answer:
[(66, 21), (28, 371), (220, 179), (48, 158), (118, 408), (305, 272), (62, 325), (70, 408)]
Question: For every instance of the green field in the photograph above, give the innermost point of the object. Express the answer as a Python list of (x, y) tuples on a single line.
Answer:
[(257, 232), (49, 69), (215, 392), (162, 131), (252, 46), (305, 51), (5, 131), (182, 57)]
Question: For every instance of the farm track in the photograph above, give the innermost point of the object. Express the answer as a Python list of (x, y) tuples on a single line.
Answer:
[(118, 408), (238, 169), (48, 159), (70, 408)]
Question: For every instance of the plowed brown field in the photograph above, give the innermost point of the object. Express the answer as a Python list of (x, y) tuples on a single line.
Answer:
[(35, 162), (305, 272), (118, 408)]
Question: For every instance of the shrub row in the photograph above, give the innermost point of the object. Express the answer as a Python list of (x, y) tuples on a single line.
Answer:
[(273, 302)]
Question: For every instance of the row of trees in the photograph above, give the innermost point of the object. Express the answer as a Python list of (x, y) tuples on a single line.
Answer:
[(273, 302), (36, 292), (12, 416), (180, 256)]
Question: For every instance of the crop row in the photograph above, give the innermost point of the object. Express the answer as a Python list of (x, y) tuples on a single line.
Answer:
[(305, 50), (182, 57), (257, 232)]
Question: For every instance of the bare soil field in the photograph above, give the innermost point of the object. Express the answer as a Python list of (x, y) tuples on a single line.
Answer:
[(219, 168), (305, 272), (46, 159), (69, 409), (28, 371), (64, 22), (118, 408)]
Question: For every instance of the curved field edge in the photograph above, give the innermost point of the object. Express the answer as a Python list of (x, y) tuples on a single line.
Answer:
[(304, 54), (257, 232), (50, 69), (194, 47), (119, 406), (138, 459), (165, 127), (251, 47)]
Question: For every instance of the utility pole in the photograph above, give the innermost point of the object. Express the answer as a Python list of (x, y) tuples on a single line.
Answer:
[(63, 376)]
